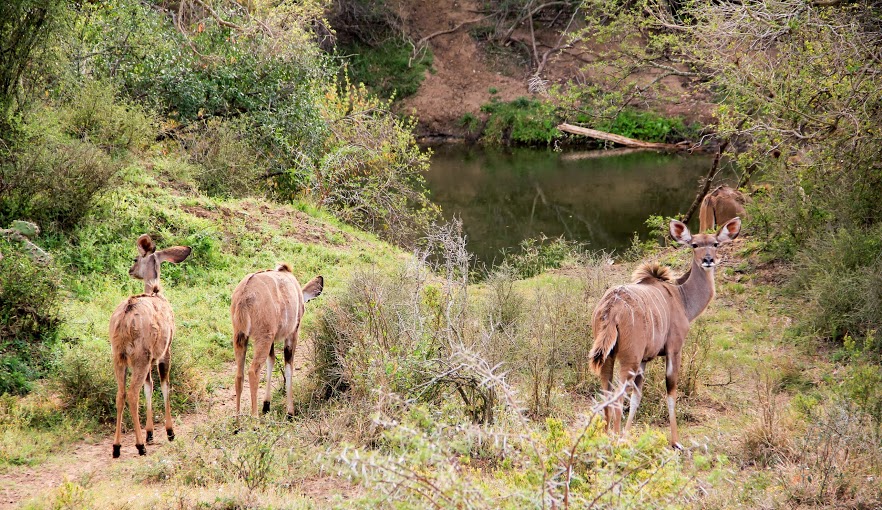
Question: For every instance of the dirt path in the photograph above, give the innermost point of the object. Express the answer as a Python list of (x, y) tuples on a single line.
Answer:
[(90, 460)]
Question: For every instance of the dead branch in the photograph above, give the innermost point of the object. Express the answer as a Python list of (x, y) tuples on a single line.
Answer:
[(706, 183), (217, 17), (433, 35), (727, 383), (624, 140), (709, 178)]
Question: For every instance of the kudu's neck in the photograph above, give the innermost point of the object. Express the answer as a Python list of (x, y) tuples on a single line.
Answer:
[(151, 286), (697, 291)]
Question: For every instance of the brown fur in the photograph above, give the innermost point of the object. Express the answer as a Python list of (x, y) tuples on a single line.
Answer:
[(268, 306), (638, 322), (141, 331), (651, 271), (719, 206)]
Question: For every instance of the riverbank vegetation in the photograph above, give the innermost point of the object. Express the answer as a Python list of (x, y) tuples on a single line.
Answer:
[(232, 129)]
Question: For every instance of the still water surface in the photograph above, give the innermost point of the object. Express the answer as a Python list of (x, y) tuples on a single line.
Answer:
[(598, 199)]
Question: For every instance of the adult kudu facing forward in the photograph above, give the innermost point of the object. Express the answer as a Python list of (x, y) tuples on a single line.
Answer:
[(268, 306), (141, 332), (650, 317)]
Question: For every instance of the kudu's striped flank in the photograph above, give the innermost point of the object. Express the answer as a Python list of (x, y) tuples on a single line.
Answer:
[(649, 318)]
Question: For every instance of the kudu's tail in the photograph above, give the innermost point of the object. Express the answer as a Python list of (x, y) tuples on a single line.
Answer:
[(606, 335)]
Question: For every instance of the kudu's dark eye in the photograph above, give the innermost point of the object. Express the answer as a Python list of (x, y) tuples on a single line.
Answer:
[(716, 244), (694, 245)]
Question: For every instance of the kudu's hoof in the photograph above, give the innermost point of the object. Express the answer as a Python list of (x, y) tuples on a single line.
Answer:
[(149, 437), (266, 406), (171, 434), (141, 449), (116, 449)]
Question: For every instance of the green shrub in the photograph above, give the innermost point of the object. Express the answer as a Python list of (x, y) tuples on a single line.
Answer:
[(94, 114), (522, 121), (840, 280), (371, 171), (389, 68), (84, 380), (648, 126), (52, 180), (86, 383), (228, 165), (28, 317), (469, 122), (541, 254)]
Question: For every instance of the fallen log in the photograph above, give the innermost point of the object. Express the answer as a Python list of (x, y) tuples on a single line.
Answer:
[(624, 140)]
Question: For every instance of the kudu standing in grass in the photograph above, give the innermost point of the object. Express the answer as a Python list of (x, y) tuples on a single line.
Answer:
[(268, 306), (720, 206), (650, 317), (141, 331)]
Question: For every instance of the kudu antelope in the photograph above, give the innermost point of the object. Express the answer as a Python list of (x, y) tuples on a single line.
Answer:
[(720, 206), (141, 331), (636, 323), (268, 306)]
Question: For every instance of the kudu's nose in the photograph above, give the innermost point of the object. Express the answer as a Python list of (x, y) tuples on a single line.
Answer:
[(707, 260)]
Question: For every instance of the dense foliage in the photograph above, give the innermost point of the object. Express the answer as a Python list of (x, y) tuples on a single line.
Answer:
[(534, 122), (237, 101), (29, 317)]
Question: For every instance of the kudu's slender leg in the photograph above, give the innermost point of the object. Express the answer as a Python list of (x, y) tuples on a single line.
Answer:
[(606, 377), (270, 361), (140, 368), (119, 371), (240, 344), (627, 372), (290, 346), (636, 394), (164, 367), (261, 352), (671, 374), (148, 405)]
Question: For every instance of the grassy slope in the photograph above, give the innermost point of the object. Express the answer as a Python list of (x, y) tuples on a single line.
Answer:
[(744, 330), (230, 237)]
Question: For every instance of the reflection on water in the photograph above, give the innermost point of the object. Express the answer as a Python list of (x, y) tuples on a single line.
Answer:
[(504, 197)]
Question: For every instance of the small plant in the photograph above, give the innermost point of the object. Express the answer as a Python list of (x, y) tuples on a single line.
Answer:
[(469, 122), (250, 457), (540, 254)]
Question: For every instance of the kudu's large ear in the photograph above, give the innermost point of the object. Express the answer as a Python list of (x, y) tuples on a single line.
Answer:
[(146, 246), (730, 230), (680, 232), (175, 254), (313, 288)]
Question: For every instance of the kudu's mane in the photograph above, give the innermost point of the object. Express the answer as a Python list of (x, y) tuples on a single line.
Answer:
[(133, 300), (649, 271)]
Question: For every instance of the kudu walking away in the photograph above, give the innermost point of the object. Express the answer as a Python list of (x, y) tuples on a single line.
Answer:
[(636, 323), (268, 306), (141, 332), (719, 206)]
